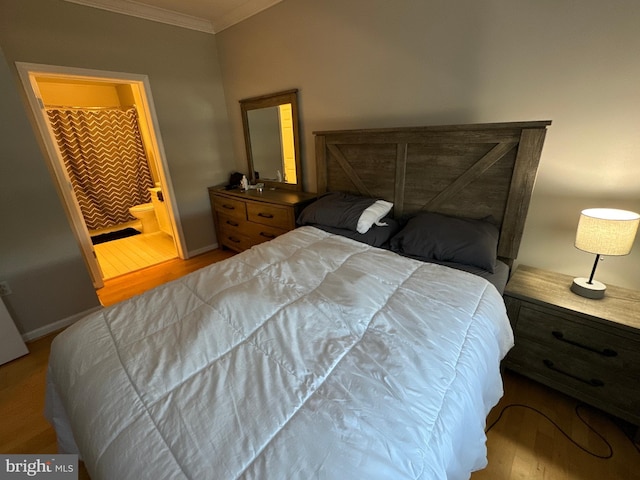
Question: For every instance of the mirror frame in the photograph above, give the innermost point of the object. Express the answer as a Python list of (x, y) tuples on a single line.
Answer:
[(266, 101)]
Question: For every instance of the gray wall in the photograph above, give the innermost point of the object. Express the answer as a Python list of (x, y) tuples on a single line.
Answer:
[(376, 63), (40, 257), (38, 253)]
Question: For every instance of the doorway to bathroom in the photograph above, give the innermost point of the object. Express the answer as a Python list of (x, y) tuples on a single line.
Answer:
[(101, 134)]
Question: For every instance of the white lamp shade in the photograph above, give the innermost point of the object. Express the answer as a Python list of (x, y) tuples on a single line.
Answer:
[(607, 231)]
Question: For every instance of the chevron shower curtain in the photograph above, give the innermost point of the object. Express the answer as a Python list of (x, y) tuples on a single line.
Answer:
[(106, 161)]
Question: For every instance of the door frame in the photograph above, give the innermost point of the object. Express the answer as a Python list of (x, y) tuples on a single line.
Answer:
[(28, 73)]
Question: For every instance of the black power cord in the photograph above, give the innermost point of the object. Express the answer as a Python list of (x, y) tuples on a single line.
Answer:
[(577, 411)]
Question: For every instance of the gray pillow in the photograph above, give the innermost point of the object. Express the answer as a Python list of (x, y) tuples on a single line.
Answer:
[(335, 209), (376, 236), (434, 236)]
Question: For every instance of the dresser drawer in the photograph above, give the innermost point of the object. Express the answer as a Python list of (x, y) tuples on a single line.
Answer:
[(246, 218), (230, 207), (228, 224), (271, 215), (261, 233), (603, 349), (235, 240)]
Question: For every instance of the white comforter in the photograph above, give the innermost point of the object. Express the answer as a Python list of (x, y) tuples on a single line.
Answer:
[(310, 356)]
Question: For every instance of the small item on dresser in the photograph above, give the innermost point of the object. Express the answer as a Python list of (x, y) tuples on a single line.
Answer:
[(234, 181), (244, 183)]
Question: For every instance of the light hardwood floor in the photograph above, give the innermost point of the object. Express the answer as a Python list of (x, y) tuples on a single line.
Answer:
[(523, 445), (120, 257), (126, 286)]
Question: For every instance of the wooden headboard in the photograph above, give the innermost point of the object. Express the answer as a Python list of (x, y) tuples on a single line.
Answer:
[(465, 170)]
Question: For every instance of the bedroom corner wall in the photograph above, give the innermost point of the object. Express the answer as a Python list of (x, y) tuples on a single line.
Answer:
[(47, 273), (375, 63)]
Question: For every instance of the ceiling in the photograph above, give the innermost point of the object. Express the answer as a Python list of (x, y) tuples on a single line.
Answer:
[(210, 16)]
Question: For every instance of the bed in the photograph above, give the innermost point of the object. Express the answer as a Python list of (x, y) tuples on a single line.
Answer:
[(315, 355)]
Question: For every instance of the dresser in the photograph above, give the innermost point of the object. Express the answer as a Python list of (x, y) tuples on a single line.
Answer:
[(589, 349), (246, 218)]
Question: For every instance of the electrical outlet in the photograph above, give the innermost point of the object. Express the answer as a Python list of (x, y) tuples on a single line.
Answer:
[(4, 289)]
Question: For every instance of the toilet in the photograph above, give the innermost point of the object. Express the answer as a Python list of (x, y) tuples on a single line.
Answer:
[(147, 216), (161, 211)]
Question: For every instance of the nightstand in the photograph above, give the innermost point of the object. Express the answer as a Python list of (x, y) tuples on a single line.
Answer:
[(589, 349), (246, 218)]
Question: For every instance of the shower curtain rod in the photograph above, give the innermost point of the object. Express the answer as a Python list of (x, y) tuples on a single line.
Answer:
[(69, 107)]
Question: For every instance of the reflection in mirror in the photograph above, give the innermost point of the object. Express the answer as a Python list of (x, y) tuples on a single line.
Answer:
[(266, 150), (271, 139)]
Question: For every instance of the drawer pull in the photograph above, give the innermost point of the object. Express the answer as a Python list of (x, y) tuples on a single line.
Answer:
[(607, 352), (265, 215), (267, 235), (234, 239), (594, 382), (228, 207), (233, 224)]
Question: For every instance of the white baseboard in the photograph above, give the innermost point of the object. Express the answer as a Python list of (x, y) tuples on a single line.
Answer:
[(59, 325), (200, 251)]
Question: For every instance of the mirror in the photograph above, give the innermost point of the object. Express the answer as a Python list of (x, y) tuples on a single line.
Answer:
[(270, 124)]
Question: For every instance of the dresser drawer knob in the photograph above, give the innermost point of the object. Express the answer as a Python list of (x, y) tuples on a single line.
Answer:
[(267, 235), (265, 215), (233, 224), (594, 382), (607, 352), (234, 239), (228, 207)]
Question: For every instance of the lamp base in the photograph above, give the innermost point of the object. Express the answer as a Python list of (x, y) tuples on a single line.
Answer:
[(582, 287)]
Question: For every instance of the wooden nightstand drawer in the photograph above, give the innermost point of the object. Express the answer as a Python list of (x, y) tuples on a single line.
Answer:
[(230, 207), (586, 348), (608, 388), (581, 340), (272, 215)]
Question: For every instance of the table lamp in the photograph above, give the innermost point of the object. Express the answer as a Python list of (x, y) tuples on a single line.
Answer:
[(603, 231)]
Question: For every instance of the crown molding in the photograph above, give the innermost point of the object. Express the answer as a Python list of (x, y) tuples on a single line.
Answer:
[(149, 12), (242, 12)]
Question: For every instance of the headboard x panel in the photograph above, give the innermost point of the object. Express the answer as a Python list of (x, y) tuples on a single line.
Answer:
[(465, 170)]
